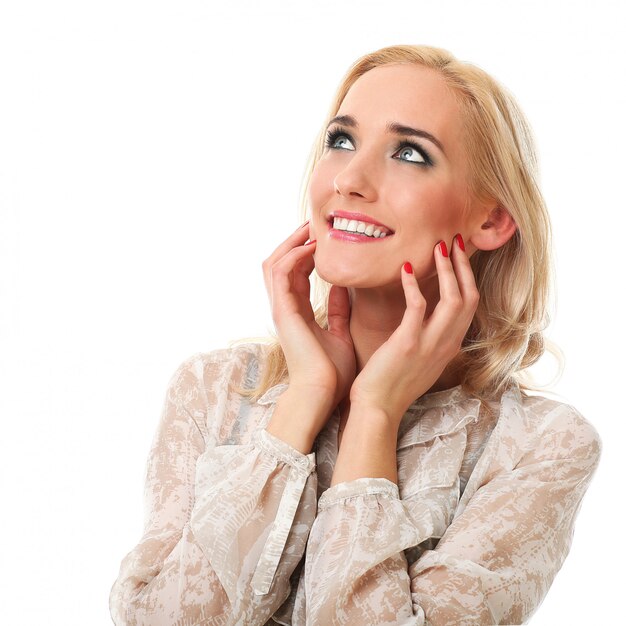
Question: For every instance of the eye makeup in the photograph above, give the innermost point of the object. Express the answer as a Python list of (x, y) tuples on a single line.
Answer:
[(334, 133)]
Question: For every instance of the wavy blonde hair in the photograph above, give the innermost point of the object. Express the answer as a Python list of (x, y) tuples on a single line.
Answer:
[(515, 280)]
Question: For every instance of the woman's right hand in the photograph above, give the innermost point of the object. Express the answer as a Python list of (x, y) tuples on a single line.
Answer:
[(320, 362)]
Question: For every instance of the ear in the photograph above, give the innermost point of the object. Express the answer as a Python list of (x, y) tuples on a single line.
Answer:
[(493, 230)]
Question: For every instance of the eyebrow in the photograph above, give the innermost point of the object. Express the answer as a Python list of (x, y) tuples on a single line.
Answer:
[(392, 127)]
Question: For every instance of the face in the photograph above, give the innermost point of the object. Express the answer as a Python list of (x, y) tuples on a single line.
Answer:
[(416, 189)]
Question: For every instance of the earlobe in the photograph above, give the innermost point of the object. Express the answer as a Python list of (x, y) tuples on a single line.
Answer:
[(494, 231)]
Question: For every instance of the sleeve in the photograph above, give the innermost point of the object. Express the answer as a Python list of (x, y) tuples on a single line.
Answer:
[(493, 565), (215, 517)]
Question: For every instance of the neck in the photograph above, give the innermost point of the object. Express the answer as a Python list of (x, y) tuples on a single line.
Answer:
[(377, 313)]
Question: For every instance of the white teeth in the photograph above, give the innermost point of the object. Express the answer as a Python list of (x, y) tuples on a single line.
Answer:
[(341, 223)]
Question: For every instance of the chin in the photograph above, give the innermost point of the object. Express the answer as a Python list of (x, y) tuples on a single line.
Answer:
[(341, 279), (336, 276), (346, 276)]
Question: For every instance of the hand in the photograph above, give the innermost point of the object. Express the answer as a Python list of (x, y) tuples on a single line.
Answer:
[(320, 361), (408, 364)]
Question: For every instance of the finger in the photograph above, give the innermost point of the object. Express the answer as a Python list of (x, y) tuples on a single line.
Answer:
[(297, 238), (448, 282), (465, 275), (452, 318), (292, 269), (339, 311), (413, 317), (450, 304), (302, 270)]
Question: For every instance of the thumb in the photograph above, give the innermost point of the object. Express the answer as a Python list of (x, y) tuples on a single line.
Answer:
[(339, 311)]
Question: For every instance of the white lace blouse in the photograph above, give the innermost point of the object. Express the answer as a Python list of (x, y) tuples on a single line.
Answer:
[(242, 528)]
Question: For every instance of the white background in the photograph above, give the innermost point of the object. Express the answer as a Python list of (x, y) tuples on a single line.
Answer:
[(151, 156)]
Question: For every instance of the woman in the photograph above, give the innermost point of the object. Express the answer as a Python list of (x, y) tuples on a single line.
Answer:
[(380, 462)]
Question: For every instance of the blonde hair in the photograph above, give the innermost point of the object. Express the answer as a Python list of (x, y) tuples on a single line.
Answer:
[(515, 280)]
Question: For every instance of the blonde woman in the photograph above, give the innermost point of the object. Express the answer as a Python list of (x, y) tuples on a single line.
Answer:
[(379, 462)]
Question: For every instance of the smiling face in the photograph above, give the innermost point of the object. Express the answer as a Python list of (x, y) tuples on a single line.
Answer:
[(419, 192)]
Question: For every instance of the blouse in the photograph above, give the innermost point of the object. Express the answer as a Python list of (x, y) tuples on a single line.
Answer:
[(242, 528)]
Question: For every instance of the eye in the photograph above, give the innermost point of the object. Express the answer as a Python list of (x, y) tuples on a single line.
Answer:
[(333, 135), (404, 147), (408, 146)]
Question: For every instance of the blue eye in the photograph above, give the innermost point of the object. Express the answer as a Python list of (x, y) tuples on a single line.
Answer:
[(333, 135), (336, 133), (408, 147)]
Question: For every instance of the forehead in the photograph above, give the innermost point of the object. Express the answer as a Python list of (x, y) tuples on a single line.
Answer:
[(408, 94)]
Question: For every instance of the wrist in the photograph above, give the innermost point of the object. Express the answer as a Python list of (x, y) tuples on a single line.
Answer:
[(298, 419), (315, 400), (360, 412), (368, 447)]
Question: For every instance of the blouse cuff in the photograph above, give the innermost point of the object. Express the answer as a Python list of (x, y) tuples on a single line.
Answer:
[(282, 451), (301, 466), (358, 487)]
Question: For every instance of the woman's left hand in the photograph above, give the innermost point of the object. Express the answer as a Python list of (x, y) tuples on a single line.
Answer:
[(408, 364)]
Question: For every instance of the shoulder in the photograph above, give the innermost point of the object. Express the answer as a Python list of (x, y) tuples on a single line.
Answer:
[(206, 385), (237, 365), (559, 430), (239, 353)]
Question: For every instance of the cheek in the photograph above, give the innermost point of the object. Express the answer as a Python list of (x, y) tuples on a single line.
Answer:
[(438, 204), (321, 191), (314, 191), (320, 185)]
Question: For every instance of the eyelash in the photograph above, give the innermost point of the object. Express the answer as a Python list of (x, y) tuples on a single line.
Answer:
[(333, 134)]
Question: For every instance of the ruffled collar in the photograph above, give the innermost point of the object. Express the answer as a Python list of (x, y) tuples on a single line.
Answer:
[(437, 413), (428, 400), (433, 414)]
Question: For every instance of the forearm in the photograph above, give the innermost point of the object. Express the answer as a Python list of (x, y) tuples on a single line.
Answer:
[(298, 418), (368, 447)]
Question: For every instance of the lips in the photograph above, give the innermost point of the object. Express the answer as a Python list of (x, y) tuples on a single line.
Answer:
[(359, 217)]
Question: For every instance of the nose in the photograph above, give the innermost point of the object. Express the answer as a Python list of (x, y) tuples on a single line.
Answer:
[(356, 178)]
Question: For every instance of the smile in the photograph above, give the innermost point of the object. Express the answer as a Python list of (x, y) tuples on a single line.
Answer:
[(356, 231), (356, 226)]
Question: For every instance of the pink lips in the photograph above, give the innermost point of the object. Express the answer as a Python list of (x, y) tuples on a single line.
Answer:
[(353, 237), (360, 217)]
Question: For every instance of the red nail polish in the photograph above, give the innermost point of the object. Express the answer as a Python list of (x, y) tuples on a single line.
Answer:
[(459, 240), (408, 268), (308, 243), (444, 250), (305, 223)]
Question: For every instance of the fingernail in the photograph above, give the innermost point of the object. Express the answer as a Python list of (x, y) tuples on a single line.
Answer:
[(408, 268), (442, 246), (305, 223), (460, 241), (308, 243)]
